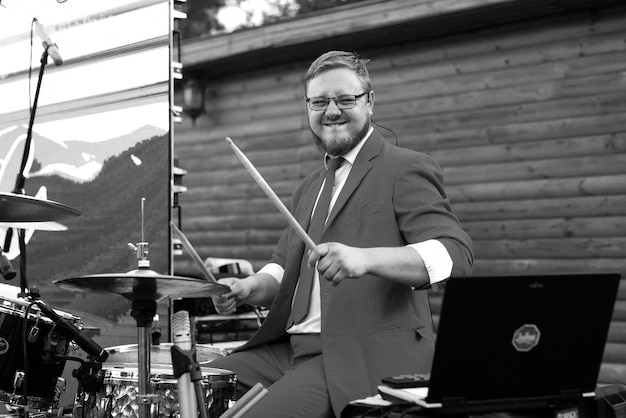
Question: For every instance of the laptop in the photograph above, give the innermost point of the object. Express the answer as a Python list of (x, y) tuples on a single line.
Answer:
[(517, 342)]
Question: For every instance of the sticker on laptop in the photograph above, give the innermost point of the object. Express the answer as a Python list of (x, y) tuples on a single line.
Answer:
[(526, 337)]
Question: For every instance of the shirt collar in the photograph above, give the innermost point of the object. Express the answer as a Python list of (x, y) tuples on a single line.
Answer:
[(350, 156)]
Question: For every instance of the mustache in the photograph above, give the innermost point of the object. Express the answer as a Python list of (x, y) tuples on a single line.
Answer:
[(340, 145)]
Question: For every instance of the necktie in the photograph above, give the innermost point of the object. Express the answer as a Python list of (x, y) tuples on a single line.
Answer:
[(305, 284)]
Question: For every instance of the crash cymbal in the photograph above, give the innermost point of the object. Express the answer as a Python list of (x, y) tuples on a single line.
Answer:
[(143, 285), (23, 208)]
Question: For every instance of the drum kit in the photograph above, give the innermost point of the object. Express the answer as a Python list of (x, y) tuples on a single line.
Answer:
[(34, 341)]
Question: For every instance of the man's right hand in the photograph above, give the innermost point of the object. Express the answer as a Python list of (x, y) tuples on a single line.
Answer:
[(227, 303), (256, 290)]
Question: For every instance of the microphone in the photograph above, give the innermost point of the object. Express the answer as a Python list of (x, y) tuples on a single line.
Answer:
[(47, 43), (71, 332), (181, 336), (8, 272)]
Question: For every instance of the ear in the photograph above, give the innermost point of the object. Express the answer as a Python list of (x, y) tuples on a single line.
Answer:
[(370, 101)]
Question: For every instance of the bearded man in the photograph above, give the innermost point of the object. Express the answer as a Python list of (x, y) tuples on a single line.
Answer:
[(354, 309)]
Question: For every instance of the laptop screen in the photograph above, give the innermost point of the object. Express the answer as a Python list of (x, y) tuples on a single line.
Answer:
[(521, 337)]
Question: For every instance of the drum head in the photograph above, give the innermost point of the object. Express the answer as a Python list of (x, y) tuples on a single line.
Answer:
[(161, 354)]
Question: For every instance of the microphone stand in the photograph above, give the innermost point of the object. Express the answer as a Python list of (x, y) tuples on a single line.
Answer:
[(21, 179), (183, 361)]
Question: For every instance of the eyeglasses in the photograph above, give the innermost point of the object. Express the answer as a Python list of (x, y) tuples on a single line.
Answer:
[(344, 101)]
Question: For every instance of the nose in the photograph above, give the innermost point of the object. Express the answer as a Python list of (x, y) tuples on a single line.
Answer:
[(332, 108)]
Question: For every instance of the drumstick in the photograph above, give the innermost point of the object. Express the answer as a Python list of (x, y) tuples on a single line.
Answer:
[(247, 401), (194, 255), (270, 193)]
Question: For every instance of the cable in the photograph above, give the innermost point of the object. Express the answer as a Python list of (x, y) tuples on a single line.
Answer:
[(387, 129)]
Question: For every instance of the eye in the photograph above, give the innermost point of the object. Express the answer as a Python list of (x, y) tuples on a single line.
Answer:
[(318, 101), (346, 100)]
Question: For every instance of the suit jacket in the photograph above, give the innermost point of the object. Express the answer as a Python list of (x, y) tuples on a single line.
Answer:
[(371, 327)]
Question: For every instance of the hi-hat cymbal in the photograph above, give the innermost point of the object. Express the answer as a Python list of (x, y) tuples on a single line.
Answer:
[(143, 285), (23, 208)]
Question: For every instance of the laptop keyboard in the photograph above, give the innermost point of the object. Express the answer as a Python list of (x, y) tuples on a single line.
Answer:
[(414, 380)]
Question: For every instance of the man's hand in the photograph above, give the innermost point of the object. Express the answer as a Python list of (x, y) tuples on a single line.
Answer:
[(227, 303), (256, 290), (336, 262)]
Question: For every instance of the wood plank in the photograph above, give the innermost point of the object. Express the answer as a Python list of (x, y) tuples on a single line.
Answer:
[(539, 169), (549, 265), (603, 144), (617, 332), (614, 353), (612, 373), (602, 226), (425, 133), (599, 247), (540, 188), (571, 206)]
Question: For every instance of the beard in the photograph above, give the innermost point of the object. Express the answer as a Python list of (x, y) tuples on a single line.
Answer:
[(337, 146)]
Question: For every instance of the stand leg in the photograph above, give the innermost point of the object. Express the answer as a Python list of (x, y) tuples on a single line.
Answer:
[(143, 312), (143, 351)]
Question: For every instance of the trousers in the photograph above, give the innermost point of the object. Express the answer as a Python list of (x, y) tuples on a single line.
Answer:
[(292, 370)]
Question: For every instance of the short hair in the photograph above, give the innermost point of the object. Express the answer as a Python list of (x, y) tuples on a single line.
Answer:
[(339, 59)]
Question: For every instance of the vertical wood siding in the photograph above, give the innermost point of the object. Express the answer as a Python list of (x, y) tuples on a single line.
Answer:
[(528, 122)]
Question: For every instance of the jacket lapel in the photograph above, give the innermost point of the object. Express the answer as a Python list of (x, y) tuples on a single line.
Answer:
[(362, 164)]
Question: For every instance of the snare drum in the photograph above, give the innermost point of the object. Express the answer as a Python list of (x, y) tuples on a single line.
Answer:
[(30, 370), (161, 354), (117, 397)]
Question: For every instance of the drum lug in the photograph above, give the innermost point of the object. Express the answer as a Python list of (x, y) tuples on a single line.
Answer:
[(18, 380), (60, 387)]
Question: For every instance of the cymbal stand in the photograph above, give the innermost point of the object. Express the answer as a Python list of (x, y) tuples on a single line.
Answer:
[(21, 176), (144, 310)]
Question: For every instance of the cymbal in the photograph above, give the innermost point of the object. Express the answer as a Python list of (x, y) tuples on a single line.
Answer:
[(23, 208), (143, 285)]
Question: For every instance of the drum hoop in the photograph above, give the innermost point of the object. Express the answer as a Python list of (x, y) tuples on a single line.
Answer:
[(33, 313), (164, 374), (19, 308)]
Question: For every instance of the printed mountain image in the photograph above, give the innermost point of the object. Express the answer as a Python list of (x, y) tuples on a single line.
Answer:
[(106, 182)]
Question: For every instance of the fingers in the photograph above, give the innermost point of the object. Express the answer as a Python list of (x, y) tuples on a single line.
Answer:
[(336, 262), (328, 263), (317, 253), (225, 304), (333, 274)]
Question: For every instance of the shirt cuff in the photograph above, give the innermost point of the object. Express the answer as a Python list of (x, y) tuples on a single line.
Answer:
[(436, 259), (273, 269)]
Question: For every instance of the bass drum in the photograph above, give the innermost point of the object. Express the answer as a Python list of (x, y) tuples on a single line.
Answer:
[(32, 352), (117, 398), (161, 354)]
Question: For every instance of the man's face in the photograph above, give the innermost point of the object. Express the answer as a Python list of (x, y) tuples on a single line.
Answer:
[(337, 131)]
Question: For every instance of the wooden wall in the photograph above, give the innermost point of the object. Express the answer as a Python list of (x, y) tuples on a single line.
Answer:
[(528, 121)]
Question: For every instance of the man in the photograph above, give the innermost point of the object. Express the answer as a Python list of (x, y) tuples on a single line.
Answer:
[(389, 235)]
